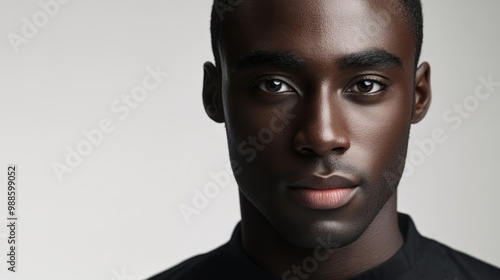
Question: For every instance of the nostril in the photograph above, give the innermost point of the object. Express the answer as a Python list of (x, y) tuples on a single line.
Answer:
[(321, 150), (322, 133), (306, 151), (320, 144)]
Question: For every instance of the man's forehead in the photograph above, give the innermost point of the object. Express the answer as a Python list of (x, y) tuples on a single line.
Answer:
[(306, 12), (313, 28)]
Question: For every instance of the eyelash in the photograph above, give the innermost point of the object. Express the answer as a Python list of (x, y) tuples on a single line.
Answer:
[(383, 85), (255, 84)]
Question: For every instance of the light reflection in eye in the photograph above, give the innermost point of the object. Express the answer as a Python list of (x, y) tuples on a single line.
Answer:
[(275, 86), (367, 87)]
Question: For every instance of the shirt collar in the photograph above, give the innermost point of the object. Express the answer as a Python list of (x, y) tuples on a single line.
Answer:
[(404, 259), (398, 265)]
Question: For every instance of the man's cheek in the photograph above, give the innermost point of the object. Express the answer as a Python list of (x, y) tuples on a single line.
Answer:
[(378, 145)]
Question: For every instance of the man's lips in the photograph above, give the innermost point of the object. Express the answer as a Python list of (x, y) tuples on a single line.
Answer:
[(318, 192), (333, 181)]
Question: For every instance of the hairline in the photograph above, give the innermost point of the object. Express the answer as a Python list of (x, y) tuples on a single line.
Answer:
[(414, 20)]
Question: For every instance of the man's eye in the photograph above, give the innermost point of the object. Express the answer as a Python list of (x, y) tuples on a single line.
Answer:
[(275, 86), (367, 87)]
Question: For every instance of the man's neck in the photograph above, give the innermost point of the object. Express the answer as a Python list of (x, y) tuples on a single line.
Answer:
[(266, 247)]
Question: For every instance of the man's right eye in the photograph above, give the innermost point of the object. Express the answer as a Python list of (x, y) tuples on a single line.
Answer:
[(275, 86)]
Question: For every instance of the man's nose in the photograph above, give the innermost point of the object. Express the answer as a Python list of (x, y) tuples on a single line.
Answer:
[(322, 126)]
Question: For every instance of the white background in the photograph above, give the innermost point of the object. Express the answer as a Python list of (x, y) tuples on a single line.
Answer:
[(116, 215)]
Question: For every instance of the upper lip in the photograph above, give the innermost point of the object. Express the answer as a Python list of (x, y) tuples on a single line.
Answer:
[(317, 182)]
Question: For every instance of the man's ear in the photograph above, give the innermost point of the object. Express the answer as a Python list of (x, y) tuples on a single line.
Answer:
[(423, 92), (212, 94)]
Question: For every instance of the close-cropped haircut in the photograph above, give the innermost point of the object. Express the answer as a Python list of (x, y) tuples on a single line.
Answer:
[(411, 10)]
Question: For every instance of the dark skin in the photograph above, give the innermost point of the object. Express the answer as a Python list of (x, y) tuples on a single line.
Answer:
[(350, 104)]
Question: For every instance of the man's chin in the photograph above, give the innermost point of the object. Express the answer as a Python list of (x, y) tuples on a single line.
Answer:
[(311, 233)]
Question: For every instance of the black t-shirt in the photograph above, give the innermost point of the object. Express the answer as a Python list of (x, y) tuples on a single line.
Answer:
[(418, 258)]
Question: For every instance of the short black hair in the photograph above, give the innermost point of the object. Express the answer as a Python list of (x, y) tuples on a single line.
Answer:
[(410, 9)]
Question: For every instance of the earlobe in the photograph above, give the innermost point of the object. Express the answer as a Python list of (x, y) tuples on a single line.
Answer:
[(423, 92), (212, 97)]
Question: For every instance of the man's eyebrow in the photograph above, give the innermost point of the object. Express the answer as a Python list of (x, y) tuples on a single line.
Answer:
[(371, 58), (270, 58)]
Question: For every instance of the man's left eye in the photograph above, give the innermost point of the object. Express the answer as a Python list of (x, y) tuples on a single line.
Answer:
[(366, 87), (275, 86)]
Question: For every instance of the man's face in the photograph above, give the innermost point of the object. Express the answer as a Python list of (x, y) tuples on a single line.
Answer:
[(318, 99)]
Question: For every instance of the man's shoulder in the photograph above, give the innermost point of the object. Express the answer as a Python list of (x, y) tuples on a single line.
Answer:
[(226, 262), (204, 266), (440, 259)]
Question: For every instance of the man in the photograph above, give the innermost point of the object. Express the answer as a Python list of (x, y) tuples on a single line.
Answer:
[(318, 98)]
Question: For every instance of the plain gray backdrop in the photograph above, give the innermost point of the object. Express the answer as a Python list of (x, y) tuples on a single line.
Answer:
[(114, 214)]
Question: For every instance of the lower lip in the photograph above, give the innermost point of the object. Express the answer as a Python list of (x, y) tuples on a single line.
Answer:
[(323, 199)]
